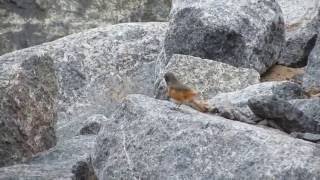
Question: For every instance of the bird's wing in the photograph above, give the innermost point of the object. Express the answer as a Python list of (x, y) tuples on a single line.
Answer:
[(182, 87)]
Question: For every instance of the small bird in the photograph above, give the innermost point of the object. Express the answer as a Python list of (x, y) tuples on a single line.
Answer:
[(182, 94)]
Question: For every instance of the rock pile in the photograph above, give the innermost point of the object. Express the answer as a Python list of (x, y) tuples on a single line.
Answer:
[(31, 22), (93, 105)]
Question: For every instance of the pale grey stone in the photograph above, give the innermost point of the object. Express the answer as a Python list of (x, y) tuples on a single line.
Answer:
[(26, 23), (206, 76), (149, 139), (97, 68), (246, 33), (311, 78), (68, 160), (83, 76), (285, 115), (234, 105), (310, 107), (307, 136), (302, 20)]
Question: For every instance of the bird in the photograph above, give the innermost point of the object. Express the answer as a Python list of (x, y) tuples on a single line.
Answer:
[(182, 94)]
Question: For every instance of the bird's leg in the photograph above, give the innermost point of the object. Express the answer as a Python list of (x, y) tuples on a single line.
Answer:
[(177, 107)]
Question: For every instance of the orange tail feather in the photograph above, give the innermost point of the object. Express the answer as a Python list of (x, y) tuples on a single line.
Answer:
[(199, 105)]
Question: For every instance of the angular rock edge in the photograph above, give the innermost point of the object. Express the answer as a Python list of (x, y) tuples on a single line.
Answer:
[(147, 139)]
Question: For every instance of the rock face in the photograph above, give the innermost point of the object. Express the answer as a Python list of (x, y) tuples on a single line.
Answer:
[(84, 76), (284, 114), (311, 80), (206, 76), (91, 128), (307, 136), (32, 22), (302, 20), (65, 112), (68, 160), (310, 107), (247, 33), (28, 115), (234, 105), (97, 68), (146, 139)]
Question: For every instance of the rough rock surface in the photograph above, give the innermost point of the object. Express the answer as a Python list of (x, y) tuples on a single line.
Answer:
[(70, 154), (93, 71), (247, 33), (311, 80), (302, 20), (32, 22), (307, 136), (80, 171), (97, 68), (310, 107), (284, 114), (28, 90), (68, 160), (206, 76), (146, 139), (74, 127), (91, 128), (234, 105)]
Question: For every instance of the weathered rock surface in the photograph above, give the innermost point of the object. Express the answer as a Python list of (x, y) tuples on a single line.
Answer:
[(70, 150), (284, 114), (247, 33), (68, 160), (60, 171), (74, 127), (97, 68), (28, 114), (302, 20), (307, 136), (92, 70), (206, 76), (310, 107), (32, 22), (234, 105), (146, 139), (283, 73), (311, 79), (93, 125), (35, 172), (92, 128)]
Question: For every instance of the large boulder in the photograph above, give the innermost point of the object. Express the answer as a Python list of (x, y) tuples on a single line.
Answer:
[(149, 139), (310, 107), (285, 115), (302, 20), (311, 80), (234, 105), (27, 111), (247, 33), (72, 81), (307, 136), (206, 76), (97, 68), (68, 160), (100, 69), (32, 22)]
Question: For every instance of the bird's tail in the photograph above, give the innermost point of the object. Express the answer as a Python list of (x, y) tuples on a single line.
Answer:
[(199, 105)]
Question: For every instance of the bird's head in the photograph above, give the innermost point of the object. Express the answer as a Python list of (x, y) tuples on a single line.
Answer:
[(170, 78)]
